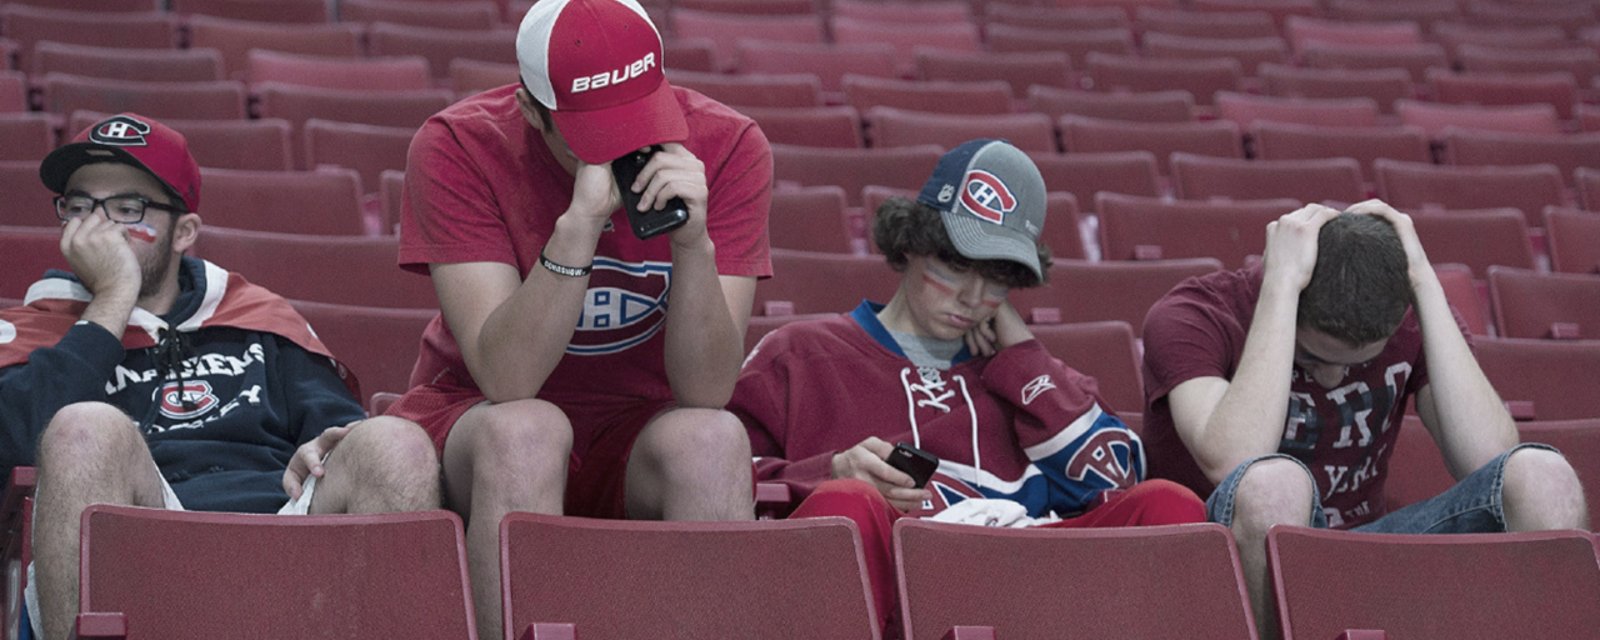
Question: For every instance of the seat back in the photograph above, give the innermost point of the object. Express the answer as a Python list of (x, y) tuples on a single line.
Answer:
[(1081, 291), (1020, 70), (1416, 59), (235, 38), (632, 579), (1434, 117), (357, 270), (1561, 378), (27, 25), (932, 96), (1087, 174), (1529, 304), (1286, 141), (257, 145), (892, 127), (1478, 239), (1105, 351), (287, 11), (398, 73), (322, 202), (1557, 89), (378, 345), (1217, 138), (1539, 584), (441, 46), (1245, 110), (1567, 152), (830, 62), (810, 219), (368, 149), (218, 100), (1414, 185), (459, 15), (1133, 227), (30, 251), (178, 574), (170, 65), (853, 169), (753, 89), (1383, 86), (806, 282), (964, 575), (1574, 240), (26, 137), (1202, 78), (298, 104), (1150, 106), (1250, 53), (1316, 180), (837, 126)]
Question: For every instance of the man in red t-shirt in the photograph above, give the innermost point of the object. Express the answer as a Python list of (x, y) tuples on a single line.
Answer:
[(577, 368), (1279, 390)]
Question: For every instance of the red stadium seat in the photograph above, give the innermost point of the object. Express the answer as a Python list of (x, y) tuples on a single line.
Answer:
[(1587, 181), (1383, 86), (1246, 109), (753, 89), (13, 91), (1201, 78), (1250, 53), (1318, 180), (690, 54), (837, 126), (1208, 24), (1461, 291), (754, 7), (807, 282), (1214, 137), (1061, 18), (955, 575), (934, 12), (168, 65), (928, 96), (369, 149), (1282, 141), (1020, 70), (439, 46), (235, 38), (1280, 10), (298, 104), (1106, 351), (472, 76), (26, 137), (1529, 188), (907, 38), (725, 31), (1119, 289), (456, 14), (27, 25), (1424, 12), (1478, 238), (378, 344), (627, 579), (1568, 16), (810, 219), (1303, 31), (1535, 584), (322, 202), (1133, 228), (400, 73), (1416, 59), (1153, 106), (391, 193), (1560, 378), (1005, 38), (1555, 89), (1434, 117), (1567, 152), (890, 127), (1455, 34), (1574, 240), (1581, 62), (259, 145), (30, 250), (103, 6), (852, 169), (830, 62), (219, 100), (302, 267), (1086, 175), (290, 11), (403, 574), (1529, 304)]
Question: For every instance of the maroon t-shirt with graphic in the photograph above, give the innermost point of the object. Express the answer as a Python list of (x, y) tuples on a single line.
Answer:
[(1344, 433)]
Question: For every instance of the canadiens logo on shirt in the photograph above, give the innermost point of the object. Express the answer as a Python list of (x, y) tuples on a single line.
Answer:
[(196, 394), (625, 306)]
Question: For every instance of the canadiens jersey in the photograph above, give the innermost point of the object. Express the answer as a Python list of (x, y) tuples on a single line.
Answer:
[(1018, 426)]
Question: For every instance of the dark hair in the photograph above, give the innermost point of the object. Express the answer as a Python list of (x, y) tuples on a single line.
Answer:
[(1360, 289), (905, 228)]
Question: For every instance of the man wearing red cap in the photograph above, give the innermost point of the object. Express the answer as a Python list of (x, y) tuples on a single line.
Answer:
[(149, 378), (577, 368)]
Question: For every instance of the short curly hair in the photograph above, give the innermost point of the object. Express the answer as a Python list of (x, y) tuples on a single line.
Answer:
[(1360, 288), (905, 228)]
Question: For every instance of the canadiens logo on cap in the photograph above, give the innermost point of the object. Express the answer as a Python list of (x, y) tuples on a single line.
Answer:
[(987, 197), (120, 131)]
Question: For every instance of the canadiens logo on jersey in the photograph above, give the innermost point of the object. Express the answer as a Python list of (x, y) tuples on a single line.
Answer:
[(1107, 454), (987, 197), (193, 400), (625, 306)]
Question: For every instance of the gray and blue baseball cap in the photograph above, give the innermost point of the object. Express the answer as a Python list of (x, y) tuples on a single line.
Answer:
[(992, 200)]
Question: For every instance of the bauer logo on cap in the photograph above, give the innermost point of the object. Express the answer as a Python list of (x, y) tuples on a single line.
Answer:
[(987, 197), (121, 131)]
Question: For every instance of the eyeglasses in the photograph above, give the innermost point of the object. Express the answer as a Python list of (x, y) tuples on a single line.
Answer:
[(125, 209)]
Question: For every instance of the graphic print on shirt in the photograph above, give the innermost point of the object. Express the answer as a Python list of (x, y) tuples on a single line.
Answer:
[(626, 305), (1341, 426), (209, 387)]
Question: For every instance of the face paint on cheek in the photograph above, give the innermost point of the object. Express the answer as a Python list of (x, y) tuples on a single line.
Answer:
[(143, 232), (938, 284), (990, 303)]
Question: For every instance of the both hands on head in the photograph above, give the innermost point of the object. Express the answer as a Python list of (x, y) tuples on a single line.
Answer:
[(1291, 253)]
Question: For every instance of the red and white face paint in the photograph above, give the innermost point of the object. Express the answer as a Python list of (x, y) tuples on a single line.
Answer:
[(143, 232)]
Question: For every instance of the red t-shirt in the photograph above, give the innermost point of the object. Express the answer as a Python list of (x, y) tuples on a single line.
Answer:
[(482, 186), (1344, 434)]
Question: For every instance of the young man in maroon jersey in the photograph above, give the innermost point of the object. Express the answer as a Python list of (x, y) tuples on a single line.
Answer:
[(1278, 390), (948, 366), (577, 368)]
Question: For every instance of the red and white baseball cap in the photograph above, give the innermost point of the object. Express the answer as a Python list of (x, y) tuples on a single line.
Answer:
[(130, 139), (596, 65)]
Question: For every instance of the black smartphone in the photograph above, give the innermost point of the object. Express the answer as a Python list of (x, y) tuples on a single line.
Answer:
[(646, 224), (914, 462)]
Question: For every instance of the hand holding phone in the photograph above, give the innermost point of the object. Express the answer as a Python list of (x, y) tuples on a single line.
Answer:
[(646, 224), (914, 462)]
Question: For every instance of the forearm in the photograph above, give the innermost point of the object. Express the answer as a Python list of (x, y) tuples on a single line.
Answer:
[(1249, 418), (1475, 425), (704, 344), (111, 310), (539, 318)]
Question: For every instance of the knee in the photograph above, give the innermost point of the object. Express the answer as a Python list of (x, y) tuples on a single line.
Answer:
[(1545, 476), (397, 443), (520, 434), (87, 431), (700, 437), (1275, 491)]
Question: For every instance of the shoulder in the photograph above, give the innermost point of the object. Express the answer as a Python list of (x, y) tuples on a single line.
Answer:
[(827, 337), (716, 130), (484, 117)]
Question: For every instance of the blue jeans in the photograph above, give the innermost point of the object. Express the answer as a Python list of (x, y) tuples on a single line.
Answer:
[(1473, 505)]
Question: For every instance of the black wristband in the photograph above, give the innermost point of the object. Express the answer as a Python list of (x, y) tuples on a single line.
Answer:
[(564, 270)]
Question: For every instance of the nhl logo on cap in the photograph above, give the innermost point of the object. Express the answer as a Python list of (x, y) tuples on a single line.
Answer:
[(985, 196), (120, 131)]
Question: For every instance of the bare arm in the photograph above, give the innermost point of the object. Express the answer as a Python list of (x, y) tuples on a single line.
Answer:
[(1224, 422), (98, 252), (1459, 406)]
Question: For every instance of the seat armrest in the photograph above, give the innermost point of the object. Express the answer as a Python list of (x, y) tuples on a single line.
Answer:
[(550, 631), (97, 625), (1363, 634), (969, 632)]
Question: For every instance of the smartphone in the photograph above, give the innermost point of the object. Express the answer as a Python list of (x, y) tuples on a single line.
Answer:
[(914, 462), (646, 224)]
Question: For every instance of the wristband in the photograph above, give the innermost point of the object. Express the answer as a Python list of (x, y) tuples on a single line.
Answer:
[(564, 270)]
